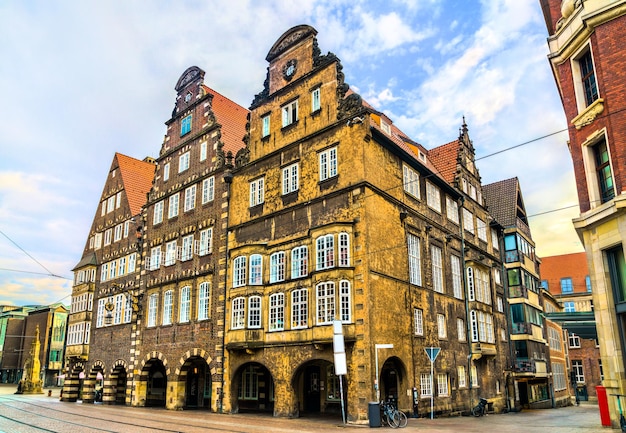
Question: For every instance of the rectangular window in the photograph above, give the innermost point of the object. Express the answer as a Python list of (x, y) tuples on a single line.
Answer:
[(104, 208), (474, 325), (183, 162), (328, 164), (208, 189), (452, 210), (299, 262), (433, 197), (567, 285), (588, 78), (474, 376), (239, 313), (126, 228), (277, 312), (461, 376), (441, 326), (460, 329), (574, 341), (203, 301), (325, 303), (411, 181), (558, 372), (168, 307), (107, 237), (111, 204), (290, 179), (172, 210), (494, 239), (426, 385), (185, 125), (157, 218), (185, 304), (277, 267), (187, 248), (132, 261), (190, 198), (325, 252), (345, 301), (481, 229), (415, 264), (206, 242), (437, 265), (257, 192), (100, 316), (569, 307), (577, 369), (166, 172), (604, 173), (299, 308), (290, 113), (239, 271), (153, 303), (442, 384), (315, 100), (170, 253), (266, 125), (155, 258), (256, 270), (254, 312), (418, 321), (97, 242), (344, 249), (468, 221), (119, 229), (457, 279), (203, 149), (118, 200)]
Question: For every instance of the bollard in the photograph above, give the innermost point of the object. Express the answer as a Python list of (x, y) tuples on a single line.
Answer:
[(49, 393)]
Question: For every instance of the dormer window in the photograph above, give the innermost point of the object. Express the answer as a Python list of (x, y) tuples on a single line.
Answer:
[(385, 127)]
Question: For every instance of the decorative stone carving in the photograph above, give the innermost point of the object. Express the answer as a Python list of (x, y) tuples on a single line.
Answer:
[(349, 106), (242, 157), (265, 93), (589, 115)]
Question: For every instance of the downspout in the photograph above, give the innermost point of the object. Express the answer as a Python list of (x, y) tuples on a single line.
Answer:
[(228, 179), (467, 310)]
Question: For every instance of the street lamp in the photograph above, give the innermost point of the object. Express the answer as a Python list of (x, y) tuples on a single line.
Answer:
[(376, 347)]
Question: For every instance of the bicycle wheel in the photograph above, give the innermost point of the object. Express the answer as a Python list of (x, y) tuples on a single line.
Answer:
[(476, 411), (393, 418), (403, 419)]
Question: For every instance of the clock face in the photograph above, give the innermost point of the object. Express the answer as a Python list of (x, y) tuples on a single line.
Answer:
[(188, 97), (290, 69)]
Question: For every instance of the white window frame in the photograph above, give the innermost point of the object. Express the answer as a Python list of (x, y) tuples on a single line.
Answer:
[(460, 329), (457, 276), (239, 271), (183, 162), (256, 270), (442, 332), (265, 125), (108, 234), (344, 249), (238, 320), (481, 229), (153, 305), (325, 252), (204, 296), (187, 248), (411, 181), (190, 198), (168, 307), (316, 102), (173, 206), (157, 217), (328, 163), (461, 376), (289, 113), (290, 178), (433, 197), (418, 321), (442, 385), (299, 262), (203, 150), (452, 210), (257, 192), (208, 189), (254, 312), (206, 242), (325, 303), (299, 308), (436, 257), (184, 314), (277, 312), (426, 385), (277, 266), (345, 302), (468, 221), (170, 253), (415, 261), (119, 230), (155, 258), (166, 172)]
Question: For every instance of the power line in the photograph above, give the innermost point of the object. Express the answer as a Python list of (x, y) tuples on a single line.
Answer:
[(50, 273), (35, 273), (521, 144)]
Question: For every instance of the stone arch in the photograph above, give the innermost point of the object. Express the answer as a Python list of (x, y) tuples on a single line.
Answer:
[(194, 353), (195, 379), (148, 359), (119, 363)]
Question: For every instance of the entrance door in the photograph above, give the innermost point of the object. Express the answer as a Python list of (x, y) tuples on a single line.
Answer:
[(195, 386), (312, 389)]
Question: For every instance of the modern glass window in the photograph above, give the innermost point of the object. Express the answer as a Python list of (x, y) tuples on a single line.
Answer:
[(325, 252), (254, 312), (344, 249), (239, 271), (418, 321), (183, 162), (190, 198), (328, 164), (277, 267), (157, 218), (166, 172), (345, 301), (299, 308), (452, 210), (206, 242), (239, 313), (153, 304), (567, 285), (185, 125), (168, 304), (426, 385), (257, 192), (204, 294), (172, 210), (411, 181), (290, 179), (603, 171), (441, 326), (457, 276), (325, 303), (415, 264), (437, 268), (170, 253), (290, 113), (185, 304), (265, 120), (277, 312), (299, 262), (256, 270), (187, 248), (588, 78), (315, 100), (433, 197), (208, 189)]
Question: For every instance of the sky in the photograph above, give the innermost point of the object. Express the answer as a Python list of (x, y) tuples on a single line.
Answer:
[(83, 79)]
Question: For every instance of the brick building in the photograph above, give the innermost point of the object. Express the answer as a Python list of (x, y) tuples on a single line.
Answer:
[(587, 59)]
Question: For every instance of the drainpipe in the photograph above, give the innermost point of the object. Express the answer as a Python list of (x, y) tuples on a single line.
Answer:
[(467, 310)]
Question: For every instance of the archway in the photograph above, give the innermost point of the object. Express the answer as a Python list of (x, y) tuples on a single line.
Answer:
[(156, 383), (253, 389), (317, 388), (118, 384), (197, 383), (392, 376)]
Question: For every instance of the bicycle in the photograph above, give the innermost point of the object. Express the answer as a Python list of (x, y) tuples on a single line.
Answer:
[(622, 420), (481, 408), (393, 417)]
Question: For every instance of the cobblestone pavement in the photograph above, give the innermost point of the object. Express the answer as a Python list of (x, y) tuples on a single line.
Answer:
[(36, 413)]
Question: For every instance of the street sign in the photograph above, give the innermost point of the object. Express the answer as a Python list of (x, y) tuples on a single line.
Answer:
[(432, 352)]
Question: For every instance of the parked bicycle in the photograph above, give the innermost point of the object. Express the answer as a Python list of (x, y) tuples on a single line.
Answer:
[(392, 416), (622, 420), (481, 408)]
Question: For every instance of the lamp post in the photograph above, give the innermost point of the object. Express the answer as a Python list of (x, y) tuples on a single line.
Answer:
[(376, 347)]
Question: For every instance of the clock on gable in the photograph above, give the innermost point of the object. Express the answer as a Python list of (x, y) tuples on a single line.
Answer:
[(290, 69)]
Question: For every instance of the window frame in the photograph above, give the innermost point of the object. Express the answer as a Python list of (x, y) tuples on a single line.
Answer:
[(328, 164), (290, 178), (299, 308), (255, 312), (325, 303), (184, 313), (299, 262), (204, 297), (316, 100), (168, 308), (208, 189), (185, 125), (257, 192), (411, 181), (289, 113), (183, 162), (276, 318)]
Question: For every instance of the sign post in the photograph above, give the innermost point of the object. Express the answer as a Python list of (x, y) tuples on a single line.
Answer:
[(432, 353), (341, 367)]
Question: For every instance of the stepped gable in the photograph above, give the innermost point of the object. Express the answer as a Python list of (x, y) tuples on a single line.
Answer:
[(137, 177), (232, 117)]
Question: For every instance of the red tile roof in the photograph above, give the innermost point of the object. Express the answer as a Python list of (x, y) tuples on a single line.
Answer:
[(573, 266), (137, 177), (233, 118), (444, 158)]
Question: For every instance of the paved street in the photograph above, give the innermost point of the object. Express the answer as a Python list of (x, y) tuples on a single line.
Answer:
[(37, 413)]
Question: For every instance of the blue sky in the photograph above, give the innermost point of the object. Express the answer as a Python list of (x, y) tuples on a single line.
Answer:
[(82, 79)]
